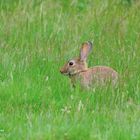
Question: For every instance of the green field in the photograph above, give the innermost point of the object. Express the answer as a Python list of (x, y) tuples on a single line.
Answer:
[(36, 38)]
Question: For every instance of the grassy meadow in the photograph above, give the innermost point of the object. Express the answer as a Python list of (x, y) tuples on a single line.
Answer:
[(36, 38)]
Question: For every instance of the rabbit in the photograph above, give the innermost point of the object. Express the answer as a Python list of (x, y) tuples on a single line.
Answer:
[(78, 71)]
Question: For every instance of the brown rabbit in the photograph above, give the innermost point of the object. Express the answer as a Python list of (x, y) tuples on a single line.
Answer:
[(78, 71)]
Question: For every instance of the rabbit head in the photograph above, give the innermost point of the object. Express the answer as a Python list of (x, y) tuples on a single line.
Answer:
[(77, 65)]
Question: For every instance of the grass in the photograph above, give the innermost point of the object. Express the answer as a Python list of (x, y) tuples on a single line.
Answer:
[(36, 38)]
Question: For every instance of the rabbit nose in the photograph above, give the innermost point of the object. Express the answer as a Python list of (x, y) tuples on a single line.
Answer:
[(61, 71)]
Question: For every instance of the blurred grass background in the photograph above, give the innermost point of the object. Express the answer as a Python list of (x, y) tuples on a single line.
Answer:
[(36, 38)]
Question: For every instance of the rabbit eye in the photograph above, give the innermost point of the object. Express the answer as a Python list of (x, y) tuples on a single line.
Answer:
[(71, 63)]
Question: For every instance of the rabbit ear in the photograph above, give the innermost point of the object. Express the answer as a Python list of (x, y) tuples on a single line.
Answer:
[(85, 49)]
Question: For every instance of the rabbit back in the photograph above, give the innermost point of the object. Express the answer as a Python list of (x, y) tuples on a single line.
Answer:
[(98, 75)]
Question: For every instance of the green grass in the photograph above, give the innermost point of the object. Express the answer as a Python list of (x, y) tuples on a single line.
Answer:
[(36, 38)]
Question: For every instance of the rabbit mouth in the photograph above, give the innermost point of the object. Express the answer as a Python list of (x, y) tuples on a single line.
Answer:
[(67, 73)]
